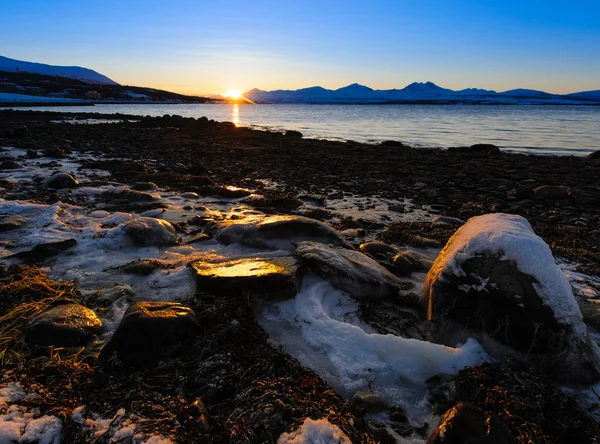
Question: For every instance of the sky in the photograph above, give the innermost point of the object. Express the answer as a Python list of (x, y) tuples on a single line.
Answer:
[(202, 47)]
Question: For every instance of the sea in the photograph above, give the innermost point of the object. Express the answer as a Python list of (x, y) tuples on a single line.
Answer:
[(541, 129)]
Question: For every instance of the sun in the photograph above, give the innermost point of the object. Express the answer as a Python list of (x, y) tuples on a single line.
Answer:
[(233, 93)]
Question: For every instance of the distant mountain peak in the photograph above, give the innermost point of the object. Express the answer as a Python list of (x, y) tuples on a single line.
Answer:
[(85, 75)]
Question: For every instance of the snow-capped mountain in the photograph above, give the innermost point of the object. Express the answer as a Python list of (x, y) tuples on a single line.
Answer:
[(72, 72), (427, 92)]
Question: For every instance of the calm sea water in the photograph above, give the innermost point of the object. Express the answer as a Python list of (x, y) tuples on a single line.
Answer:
[(536, 129)]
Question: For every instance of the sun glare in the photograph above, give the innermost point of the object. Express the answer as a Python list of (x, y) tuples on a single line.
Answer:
[(233, 93)]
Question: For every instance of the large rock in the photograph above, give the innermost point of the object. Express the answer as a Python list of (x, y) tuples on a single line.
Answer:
[(44, 251), (551, 192), (352, 272), (148, 231), (10, 165), (278, 232), (149, 331), (495, 276), (467, 424), (376, 248), (61, 180), (64, 326), (275, 276)]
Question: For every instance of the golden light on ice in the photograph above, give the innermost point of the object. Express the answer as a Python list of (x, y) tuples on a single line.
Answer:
[(233, 93)]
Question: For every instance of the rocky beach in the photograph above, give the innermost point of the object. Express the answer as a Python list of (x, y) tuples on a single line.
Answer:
[(170, 279)]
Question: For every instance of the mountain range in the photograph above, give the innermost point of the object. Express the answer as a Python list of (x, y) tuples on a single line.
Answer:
[(427, 92)]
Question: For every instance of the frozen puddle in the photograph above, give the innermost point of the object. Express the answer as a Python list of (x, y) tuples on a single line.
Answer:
[(320, 328)]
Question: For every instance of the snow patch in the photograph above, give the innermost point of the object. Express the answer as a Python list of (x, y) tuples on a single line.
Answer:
[(318, 431)]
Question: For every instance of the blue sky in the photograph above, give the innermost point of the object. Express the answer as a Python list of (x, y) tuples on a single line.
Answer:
[(214, 46)]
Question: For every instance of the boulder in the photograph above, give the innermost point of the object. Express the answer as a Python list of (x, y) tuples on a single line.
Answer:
[(278, 232), (9, 222), (149, 331), (126, 194), (352, 272), (497, 278), (376, 248), (467, 424), (10, 165), (293, 134), (485, 148), (148, 231), (446, 220), (272, 276), (594, 155), (44, 251), (60, 180), (392, 143), (64, 326), (551, 192)]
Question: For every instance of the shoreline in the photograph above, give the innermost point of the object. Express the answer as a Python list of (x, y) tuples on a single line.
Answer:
[(199, 174)]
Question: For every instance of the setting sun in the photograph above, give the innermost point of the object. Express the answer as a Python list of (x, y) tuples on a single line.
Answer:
[(233, 93)]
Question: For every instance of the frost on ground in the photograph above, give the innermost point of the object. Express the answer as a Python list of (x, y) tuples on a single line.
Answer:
[(318, 431), (313, 327)]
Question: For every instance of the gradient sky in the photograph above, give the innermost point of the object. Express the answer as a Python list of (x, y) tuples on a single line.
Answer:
[(197, 47)]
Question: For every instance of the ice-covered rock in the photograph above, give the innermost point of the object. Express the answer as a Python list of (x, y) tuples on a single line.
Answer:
[(278, 232), (315, 431), (64, 325), (276, 276), (9, 222), (497, 277), (149, 330), (352, 271), (148, 231)]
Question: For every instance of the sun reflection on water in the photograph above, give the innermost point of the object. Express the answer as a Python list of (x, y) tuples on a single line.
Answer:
[(235, 114)]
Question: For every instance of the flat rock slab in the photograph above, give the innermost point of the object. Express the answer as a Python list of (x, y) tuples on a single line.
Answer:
[(149, 331), (64, 326), (44, 251), (274, 276), (353, 272)]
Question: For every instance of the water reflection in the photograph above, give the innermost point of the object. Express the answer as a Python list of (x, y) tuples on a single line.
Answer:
[(235, 114)]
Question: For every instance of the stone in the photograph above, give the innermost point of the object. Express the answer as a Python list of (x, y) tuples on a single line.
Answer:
[(150, 331), (392, 143), (484, 148), (148, 231), (495, 278), (467, 424), (60, 180), (403, 265), (594, 155), (9, 222), (551, 192), (65, 325), (197, 238), (10, 165), (277, 232), (369, 402), (269, 276), (145, 186), (521, 193), (353, 272), (446, 220), (375, 248), (293, 134), (44, 251), (127, 194), (142, 267)]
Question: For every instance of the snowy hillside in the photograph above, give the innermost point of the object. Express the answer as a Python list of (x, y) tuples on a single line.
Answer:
[(72, 72), (427, 92)]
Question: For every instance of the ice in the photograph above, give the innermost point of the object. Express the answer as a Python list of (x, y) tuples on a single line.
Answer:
[(512, 237), (319, 431), (318, 327)]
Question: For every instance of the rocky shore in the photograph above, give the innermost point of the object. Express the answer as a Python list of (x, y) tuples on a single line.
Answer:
[(183, 280)]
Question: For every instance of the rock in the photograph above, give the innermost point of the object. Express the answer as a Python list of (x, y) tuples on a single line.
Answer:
[(127, 194), (277, 232), (419, 263), (467, 424), (293, 134), (445, 220), (64, 326), (393, 143), (484, 148), (369, 402), (272, 276), (353, 233), (594, 155), (352, 272), (9, 222), (551, 192), (496, 277), (20, 131), (61, 180), (197, 238), (148, 231), (521, 193), (376, 248), (54, 151), (403, 265), (145, 186), (10, 165), (143, 267), (149, 331), (44, 251)]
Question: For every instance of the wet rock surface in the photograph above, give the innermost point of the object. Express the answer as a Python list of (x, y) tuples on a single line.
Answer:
[(9, 222), (149, 330), (276, 277), (61, 180), (64, 326), (353, 272)]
